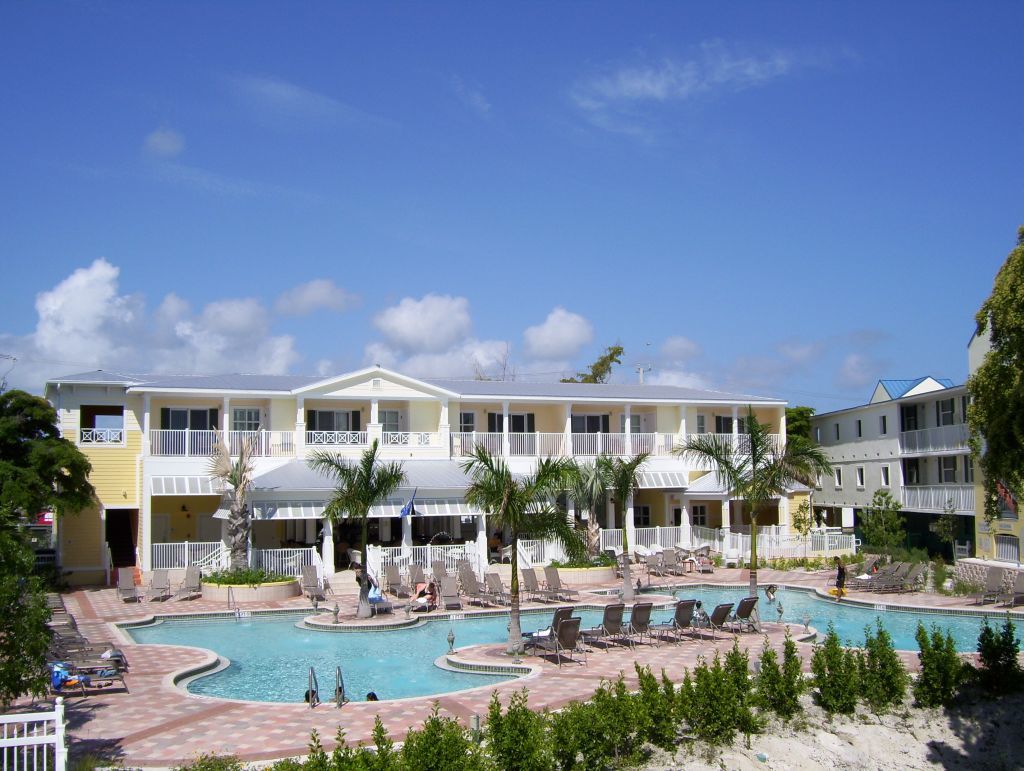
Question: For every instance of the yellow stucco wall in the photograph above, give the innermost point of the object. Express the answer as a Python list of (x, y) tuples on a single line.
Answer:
[(183, 525), (424, 416), (114, 471), (81, 539)]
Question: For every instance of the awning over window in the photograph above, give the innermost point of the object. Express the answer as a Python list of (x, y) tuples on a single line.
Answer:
[(283, 510), (665, 480), (429, 507), (186, 486)]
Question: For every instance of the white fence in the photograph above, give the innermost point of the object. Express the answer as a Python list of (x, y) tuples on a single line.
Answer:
[(287, 562), (554, 445), (101, 436), (337, 438), (34, 741), (380, 557), (935, 439), (540, 552), (937, 497), (771, 544), (167, 556), (189, 443)]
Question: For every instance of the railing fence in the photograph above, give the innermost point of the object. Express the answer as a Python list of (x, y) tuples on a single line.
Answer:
[(34, 741), (167, 556), (287, 562)]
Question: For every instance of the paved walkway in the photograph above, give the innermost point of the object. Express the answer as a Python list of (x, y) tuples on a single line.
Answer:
[(158, 724)]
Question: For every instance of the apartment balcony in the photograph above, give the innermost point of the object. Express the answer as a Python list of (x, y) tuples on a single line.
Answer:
[(186, 444), (936, 498), (937, 440), (560, 445), (91, 437)]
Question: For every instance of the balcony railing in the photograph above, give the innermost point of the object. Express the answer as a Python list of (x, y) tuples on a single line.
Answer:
[(184, 443), (937, 497), (937, 439), (411, 439), (101, 436), (337, 438), (555, 445)]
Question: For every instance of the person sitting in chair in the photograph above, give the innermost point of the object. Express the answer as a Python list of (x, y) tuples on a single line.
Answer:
[(425, 597)]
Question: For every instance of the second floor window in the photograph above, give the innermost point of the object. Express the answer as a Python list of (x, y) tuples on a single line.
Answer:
[(838, 478), (860, 429), (642, 516), (837, 431), (702, 426), (860, 476), (944, 412), (700, 514), (181, 419), (389, 421), (947, 470), (883, 424), (467, 422), (968, 470), (245, 419), (911, 472), (885, 476), (332, 420)]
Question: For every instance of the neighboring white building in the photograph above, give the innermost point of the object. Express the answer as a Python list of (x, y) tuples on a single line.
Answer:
[(909, 439)]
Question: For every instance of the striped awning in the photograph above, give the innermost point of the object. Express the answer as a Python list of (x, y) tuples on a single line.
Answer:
[(282, 510), (186, 486), (665, 480)]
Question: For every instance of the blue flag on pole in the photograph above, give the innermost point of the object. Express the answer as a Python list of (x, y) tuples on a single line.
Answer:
[(410, 507)]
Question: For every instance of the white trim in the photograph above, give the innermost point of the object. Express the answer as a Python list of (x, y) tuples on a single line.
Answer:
[(370, 373)]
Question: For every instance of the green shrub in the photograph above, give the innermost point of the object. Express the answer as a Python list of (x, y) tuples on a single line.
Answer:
[(656, 704), (713, 703), (778, 688), (883, 678), (835, 675), (245, 576), (942, 671), (965, 588), (518, 739), (601, 560), (607, 729), (940, 572), (212, 762), (441, 745), (737, 668), (999, 671)]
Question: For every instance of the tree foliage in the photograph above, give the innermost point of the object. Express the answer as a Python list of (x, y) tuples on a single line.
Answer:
[(39, 469), (758, 469), (883, 523), (24, 634), (520, 505), (622, 477), (359, 486), (996, 412), (798, 421), (601, 369), (236, 476)]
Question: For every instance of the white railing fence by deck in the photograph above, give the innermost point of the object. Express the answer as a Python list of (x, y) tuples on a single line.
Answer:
[(935, 439), (541, 553), (1008, 548), (187, 443), (34, 741), (167, 556), (412, 438), (611, 539), (266, 444), (540, 444), (337, 438), (771, 543), (101, 436), (937, 497), (287, 562), (425, 556)]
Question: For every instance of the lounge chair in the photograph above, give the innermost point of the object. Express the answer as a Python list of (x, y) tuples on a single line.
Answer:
[(416, 575), (640, 621), (671, 563), (159, 586), (656, 565), (912, 581), (564, 641), (610, 628), (745, 618), (532, 639), (533, 589), (681, 621), (992, 589), (497, 588), (449, 589), (438, 568), (554, 582), (873, 580), (191, 584), (719, 618), (126, 588), (1017, 590), (311, 586), (472, 589), (394, 579)]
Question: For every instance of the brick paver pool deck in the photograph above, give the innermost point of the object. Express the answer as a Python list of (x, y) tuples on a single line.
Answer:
[(159, 724)]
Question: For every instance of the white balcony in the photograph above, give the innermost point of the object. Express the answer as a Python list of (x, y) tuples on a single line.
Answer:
[(411, 439), (936, 498), (321, 439), (559, 445), (186, 444), (105, 436), (940, 439)]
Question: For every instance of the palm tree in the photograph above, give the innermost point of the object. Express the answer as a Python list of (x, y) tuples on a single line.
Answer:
[(236, 476), (759, 471), (586, 486), (622, 475), (520, 504), (358, 487)]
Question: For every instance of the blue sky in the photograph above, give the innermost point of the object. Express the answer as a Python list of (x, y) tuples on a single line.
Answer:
[(789, 199)]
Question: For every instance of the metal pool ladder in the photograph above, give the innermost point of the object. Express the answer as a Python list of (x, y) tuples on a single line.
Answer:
[(313, 691), (339, 688)]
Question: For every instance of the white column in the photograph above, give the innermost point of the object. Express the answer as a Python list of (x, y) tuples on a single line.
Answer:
[(735, 427), (373, 430), (567, 430), (146, 538), (784, 514), (481, 543), (406, 533), (327, 548), (444, 428), (506, 449), (687, 533), (225, 419), (630, 527), (300, 425), (682, 424), (627, 429), (726, 515), (374, 410), (146, 407)]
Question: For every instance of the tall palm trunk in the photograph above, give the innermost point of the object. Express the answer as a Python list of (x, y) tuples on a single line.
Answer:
[(363, 610), (238, 536), (753, 556), (515, 629), (628, 592)]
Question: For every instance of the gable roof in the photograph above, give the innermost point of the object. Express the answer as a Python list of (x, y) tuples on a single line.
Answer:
[(895, 389)]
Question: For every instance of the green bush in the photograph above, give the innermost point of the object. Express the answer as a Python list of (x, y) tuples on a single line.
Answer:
[(940, 572), (737, 668), (942, 671), (999, 671), (245, 576), (600, 732), (778, 688), (883, 678), (441, 745), (212, 762), (712, 703), (601, 560), (657, 704), (835, 675), (518, 739)]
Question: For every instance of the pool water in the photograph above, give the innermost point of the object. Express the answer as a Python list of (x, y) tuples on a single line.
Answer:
[(270, 656)]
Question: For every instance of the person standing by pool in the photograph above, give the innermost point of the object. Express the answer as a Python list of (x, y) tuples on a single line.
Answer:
[(840, 578)]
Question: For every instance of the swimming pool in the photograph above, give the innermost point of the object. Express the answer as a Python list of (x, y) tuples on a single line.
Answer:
[(270, 656)]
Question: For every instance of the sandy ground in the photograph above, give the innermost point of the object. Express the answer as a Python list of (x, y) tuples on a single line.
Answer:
[(979, 735)]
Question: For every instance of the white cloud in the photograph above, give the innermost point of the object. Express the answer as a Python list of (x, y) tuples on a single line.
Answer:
[(164, 143), (290, 105), (320, 293), (471, 96), (431, 324), (85, 322), (677, 377), (612, 100), (678, 349), (857, 371), (562, 335)]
